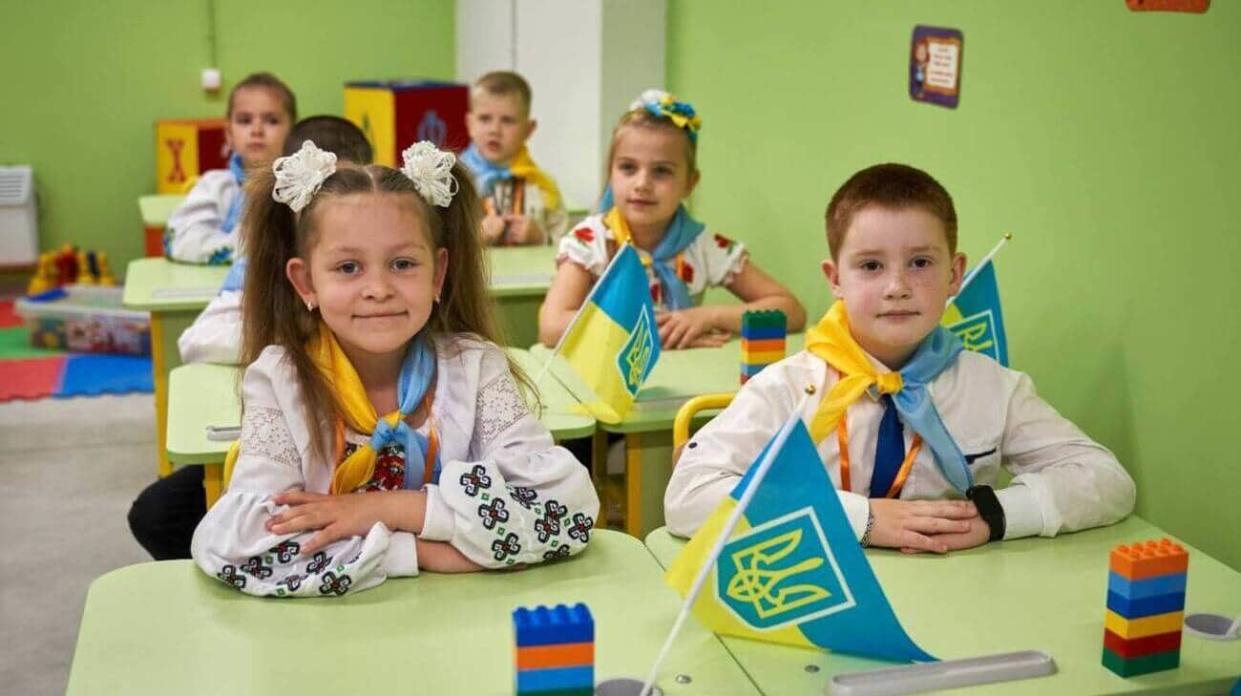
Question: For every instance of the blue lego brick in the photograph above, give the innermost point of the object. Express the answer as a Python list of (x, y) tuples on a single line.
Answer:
[(540, 680), (1146, 606), (552, 625), (1150, 587), (751, 369)]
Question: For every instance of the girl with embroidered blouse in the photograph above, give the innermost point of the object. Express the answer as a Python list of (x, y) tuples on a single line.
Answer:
[(366, 296), (261, 110), (651, 171)]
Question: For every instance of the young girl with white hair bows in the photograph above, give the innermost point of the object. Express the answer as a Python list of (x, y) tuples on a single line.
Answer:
[(383, 431)]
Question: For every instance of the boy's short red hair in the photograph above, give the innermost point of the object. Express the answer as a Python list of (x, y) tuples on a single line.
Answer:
[(894, 186)]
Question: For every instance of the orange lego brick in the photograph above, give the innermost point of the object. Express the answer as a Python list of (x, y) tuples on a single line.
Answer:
[(760, 345), (1147, 559), (559, 655)]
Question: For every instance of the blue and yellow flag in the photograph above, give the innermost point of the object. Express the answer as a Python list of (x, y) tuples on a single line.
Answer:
[(614, 343), (975, 316), (792, 572)]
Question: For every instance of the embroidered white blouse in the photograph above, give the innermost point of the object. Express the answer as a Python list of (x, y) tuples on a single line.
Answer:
[(193, 233), (711, 260), (1062, 480), (506, 493), (215, 335)]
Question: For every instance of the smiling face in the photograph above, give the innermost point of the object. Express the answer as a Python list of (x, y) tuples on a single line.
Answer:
[(372, 272), (894, 272), (258, 123), (650, 174), (499, 125)]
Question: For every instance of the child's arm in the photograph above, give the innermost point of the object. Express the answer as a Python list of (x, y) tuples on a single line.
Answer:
[(215, 335), (522, 500), (757, 291), (235, 542), (1062, 480), (193, 233), (568, 291)]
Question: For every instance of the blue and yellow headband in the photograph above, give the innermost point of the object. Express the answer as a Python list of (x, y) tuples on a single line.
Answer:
[(661, 104)]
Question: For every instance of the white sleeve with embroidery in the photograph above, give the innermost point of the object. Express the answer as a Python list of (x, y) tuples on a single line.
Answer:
[(215, 335), (232, 543), (193, 233), (724, 258), (585, 246), (523, 500)]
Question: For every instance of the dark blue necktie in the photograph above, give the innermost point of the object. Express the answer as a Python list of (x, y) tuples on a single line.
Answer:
[(889, 450)]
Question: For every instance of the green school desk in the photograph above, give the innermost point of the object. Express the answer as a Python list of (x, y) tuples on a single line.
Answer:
[(679, 376), (174, 294), (203, 395), (520, 277), (1028, 594), (167, 628), (155, 210)]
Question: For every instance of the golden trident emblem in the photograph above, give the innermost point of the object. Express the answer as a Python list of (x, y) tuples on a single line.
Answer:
[(974, 336), (758, 583), (640, 354)]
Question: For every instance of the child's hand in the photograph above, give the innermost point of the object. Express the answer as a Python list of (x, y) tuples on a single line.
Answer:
[(492, 229), (523, 230), (919, 525), (442, 557), (681, 328), (335, 516), (979, 533)]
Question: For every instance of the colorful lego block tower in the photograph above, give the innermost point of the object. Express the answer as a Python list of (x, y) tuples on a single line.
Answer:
[(762, 340), (1145, 607), (184, 149), (555, 650), (395, 115)]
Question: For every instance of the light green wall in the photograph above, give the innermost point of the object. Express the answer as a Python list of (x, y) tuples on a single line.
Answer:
[(84, 83), (1106, 141)]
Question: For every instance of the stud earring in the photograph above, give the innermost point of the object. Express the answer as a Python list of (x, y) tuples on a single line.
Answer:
[(310, 305)]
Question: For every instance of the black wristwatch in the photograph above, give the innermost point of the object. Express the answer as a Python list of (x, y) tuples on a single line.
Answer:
[(989, 509)]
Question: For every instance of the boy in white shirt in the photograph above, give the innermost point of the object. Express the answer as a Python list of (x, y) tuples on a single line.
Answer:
[(889, 378)]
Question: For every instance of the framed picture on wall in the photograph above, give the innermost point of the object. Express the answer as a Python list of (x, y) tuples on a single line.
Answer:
[(935, 55), (1198, 6)]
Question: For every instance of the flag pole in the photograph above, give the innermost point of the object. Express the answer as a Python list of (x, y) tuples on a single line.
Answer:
[(573, 322), (969, 277), (709, 562)]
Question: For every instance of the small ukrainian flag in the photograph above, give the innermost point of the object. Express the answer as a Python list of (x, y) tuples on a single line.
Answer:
[(614, 343), (975, 315)]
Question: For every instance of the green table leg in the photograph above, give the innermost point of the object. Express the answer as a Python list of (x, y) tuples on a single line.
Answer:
[(519, 319), (648, 466)]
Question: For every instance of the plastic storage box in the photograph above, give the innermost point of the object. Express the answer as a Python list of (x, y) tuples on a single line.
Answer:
[(85, 318)]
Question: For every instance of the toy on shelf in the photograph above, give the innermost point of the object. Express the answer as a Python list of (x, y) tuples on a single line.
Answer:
[(555, 650), (763, 335), (70, 265), (1145, 607)]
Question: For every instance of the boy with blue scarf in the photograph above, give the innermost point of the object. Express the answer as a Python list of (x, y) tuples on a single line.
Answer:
[(521, 202), (911, 428)]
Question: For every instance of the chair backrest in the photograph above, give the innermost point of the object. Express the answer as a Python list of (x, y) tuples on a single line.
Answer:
[(691, 408)]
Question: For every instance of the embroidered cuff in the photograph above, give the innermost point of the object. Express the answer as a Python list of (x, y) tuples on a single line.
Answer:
[(438, 522), (857, 509), (401, 560), (1022, 517)]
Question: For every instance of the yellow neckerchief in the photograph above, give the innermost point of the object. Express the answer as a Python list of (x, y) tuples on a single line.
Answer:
[(831, 341), (524, 167), (354, 407)]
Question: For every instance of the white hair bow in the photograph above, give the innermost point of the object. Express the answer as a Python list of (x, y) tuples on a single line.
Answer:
[(430, 168), (299, 176), (650, 96)]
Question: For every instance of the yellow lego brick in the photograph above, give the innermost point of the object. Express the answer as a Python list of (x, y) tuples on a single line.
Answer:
[(1145, 626), (762, 357)]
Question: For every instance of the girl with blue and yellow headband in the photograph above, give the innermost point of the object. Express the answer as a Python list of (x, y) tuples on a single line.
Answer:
[(651, 171), (383, 431)]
